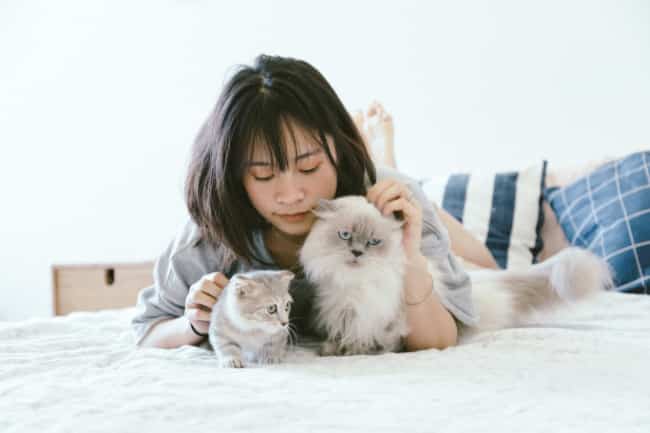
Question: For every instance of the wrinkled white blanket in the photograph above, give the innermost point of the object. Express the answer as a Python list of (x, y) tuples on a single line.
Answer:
[(584, 369)]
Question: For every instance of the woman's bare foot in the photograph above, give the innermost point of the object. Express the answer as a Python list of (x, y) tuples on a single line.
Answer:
[(360, 121), (377, 130)]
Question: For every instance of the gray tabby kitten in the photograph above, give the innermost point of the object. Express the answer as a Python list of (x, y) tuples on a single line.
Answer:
[(354, 257), (250, 321)]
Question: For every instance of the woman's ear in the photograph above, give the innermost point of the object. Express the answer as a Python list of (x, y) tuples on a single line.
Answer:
[(324, 208)]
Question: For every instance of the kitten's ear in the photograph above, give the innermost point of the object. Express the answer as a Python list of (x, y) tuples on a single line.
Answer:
[(244, 278), (243, 285), (324, 208)]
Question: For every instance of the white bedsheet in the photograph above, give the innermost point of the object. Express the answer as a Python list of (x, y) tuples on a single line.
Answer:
[(584, 369)]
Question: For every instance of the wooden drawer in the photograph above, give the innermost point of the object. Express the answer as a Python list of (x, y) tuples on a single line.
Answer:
[(98, 287)]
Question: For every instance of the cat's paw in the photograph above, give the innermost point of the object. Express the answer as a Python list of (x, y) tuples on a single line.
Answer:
[(329, 348), (274, 360), (231, 363)]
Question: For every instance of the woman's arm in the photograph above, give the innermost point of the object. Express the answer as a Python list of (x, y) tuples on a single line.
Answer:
[(464, 244), (431, 325), (169, 334)]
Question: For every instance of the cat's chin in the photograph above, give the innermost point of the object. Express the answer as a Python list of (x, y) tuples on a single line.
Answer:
[(353, 263)]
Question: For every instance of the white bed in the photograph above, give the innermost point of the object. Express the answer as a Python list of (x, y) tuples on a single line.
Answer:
[(583, 369)]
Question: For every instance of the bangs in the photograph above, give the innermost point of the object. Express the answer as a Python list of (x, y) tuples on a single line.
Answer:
[(273, 132)]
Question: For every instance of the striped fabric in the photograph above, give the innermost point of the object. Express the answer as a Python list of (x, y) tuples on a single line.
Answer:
[(608, 212), (503, 210)]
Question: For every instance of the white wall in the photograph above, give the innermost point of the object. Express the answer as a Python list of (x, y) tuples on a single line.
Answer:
[(100, 101)]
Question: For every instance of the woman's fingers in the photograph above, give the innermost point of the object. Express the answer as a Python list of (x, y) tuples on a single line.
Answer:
[(218, 278), (386, 192), (203, 298), (409, 209), (206, 291), (211, 289), (377, 189), (213, 284), (390, 194)]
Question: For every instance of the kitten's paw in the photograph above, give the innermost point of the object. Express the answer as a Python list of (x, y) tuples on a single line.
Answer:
[(231, 363), (329, 348)]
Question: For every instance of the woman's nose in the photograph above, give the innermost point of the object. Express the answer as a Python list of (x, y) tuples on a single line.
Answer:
[(289, 189)]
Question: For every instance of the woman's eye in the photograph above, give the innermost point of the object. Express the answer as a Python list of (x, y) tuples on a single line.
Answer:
[(271, 309), (310, 170), (374, 242), (345, 235), (263, 179)]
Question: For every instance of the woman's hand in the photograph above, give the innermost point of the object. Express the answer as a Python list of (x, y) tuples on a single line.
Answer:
[(390, 195), (201, 298)]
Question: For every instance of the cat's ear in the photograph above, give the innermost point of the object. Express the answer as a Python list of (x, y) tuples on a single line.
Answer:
[(243, 285), (244, 278), (324, 208)]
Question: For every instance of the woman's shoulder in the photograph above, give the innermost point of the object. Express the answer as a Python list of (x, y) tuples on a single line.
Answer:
[(189, 246), (188, 235)]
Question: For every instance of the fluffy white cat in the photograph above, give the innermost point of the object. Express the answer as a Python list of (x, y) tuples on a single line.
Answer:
[(354, 257)]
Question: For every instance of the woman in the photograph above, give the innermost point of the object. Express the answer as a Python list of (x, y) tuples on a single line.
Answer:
[(278, 140)]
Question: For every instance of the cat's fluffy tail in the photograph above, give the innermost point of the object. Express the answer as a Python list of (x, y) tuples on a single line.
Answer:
[(505, 298)]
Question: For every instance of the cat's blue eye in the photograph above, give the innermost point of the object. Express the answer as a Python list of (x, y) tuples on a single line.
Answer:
[(271, 309), (374, 242), (345, 235)]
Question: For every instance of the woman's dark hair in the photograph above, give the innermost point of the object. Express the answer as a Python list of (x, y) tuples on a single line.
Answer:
[(256, 103)]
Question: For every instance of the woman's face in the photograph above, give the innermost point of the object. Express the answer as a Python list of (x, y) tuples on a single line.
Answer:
[(285, 198)]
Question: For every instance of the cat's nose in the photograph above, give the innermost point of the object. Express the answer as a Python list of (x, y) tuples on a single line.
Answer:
[(356, 253), (284, 323)]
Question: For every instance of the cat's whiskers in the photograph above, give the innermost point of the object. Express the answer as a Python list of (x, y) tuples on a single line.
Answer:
[(292, 335)]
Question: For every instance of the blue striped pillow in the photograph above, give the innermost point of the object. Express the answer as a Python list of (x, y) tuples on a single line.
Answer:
[(503, 210), (608, 212)]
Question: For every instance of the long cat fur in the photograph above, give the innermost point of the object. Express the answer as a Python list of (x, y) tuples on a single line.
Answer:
[(360, 308)]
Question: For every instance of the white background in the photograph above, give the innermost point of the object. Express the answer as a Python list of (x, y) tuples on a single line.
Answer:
[(100, 101)]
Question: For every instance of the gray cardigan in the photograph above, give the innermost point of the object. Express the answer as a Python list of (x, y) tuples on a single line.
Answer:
[(188, 257)]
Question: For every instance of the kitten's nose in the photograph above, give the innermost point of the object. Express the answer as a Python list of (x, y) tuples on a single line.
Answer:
[(284, 323), (356, 253)]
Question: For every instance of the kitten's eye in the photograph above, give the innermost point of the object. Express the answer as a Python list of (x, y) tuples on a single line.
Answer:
[(374, 242), (286, 308), (271, 309), (345, 235)]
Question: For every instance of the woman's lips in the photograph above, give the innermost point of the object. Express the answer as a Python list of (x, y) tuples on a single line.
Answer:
[(294, 217)]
